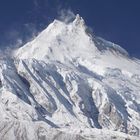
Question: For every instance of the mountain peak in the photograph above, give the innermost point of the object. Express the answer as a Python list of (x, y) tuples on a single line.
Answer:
[(60, 41), (67, 42), (79, 20)]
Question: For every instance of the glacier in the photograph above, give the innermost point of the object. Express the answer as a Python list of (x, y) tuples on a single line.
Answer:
[(67, 84)]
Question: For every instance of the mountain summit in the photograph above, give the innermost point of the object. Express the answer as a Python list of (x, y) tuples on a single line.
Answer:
[(59, 40), (69, 84)]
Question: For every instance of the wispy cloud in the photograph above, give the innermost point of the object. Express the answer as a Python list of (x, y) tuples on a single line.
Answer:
[(66, 15), (16, 37)]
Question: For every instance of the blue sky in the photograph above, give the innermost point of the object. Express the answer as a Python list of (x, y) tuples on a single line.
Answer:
[(114, 20)]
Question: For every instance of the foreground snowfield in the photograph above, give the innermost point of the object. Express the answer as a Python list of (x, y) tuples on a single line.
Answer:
[(69, 85)]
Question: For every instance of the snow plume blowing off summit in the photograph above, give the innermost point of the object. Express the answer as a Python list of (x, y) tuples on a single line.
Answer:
[(68, 84)]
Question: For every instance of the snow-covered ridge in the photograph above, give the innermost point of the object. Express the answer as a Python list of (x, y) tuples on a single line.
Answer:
[(103, 45), (65, 39), (66, 84)]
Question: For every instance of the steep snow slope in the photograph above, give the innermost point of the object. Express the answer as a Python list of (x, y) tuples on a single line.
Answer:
[(66, 84)]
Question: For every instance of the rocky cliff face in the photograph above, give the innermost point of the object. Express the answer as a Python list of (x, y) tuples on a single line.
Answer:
[(66, 84)]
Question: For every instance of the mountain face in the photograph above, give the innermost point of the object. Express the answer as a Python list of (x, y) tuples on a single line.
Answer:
[(69, 85)]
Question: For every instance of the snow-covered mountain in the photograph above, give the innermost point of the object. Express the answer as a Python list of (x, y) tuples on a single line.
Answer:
[(68, 84)]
